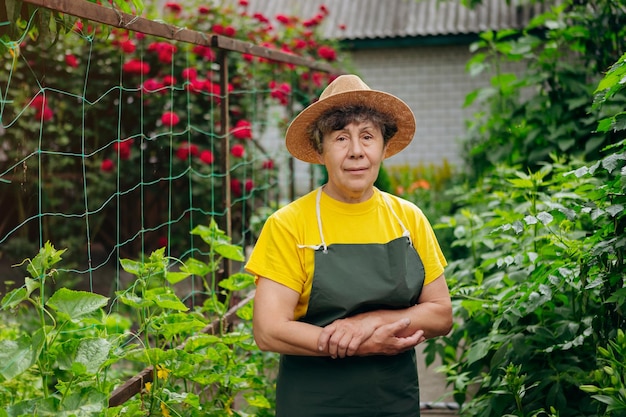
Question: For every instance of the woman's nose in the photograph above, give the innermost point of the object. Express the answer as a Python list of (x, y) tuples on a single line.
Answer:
[(356, 148)]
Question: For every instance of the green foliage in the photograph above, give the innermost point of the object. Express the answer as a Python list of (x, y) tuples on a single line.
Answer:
[(527, 115), (540, 286), (538, 280), (609, 378), (82, 345)]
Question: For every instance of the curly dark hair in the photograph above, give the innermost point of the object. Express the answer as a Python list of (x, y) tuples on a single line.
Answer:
[(339, 117)]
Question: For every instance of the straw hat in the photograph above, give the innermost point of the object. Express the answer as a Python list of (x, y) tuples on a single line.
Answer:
[(349, 89)]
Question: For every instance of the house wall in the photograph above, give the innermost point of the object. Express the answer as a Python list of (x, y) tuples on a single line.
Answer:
[(433, 81)]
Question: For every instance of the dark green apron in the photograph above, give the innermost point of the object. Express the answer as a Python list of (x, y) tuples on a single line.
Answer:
[(351, 279)]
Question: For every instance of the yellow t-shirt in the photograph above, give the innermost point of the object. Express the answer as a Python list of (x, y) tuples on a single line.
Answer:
[(283, 251)]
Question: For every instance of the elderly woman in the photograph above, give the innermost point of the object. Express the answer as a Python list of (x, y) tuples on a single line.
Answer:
[(349, 278)]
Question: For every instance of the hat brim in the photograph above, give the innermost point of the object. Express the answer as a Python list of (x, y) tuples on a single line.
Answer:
[(299, 145)]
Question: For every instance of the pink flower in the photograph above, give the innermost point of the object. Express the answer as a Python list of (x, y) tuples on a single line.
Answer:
[(71, 60), (136, 66), (243, 3), (237, 151), (107, 165), (242, 130), (170, 119), (342, 26), (206, 157), (268, 164)]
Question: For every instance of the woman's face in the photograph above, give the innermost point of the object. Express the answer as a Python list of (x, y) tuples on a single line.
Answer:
[(352, 157)]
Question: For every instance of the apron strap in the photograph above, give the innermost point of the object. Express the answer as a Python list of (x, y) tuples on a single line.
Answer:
[(405, 231), (318, 197)]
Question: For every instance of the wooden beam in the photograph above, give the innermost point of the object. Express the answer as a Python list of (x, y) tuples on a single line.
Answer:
[(113, 17)]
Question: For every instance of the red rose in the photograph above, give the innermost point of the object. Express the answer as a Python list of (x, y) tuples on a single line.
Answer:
[(204, 10), (327, 53), (169, 80), (269, 164), (107, 165), (189, 73), (235, 187), (242, 130), (135, 66), (237, 151), (249, 185), (170, 119), (173, 7), (128, 46), (71, 60), (162, 242), (230, 31), (185, 150), (151, 85), (123, 148), (282, 19), (206, 157)]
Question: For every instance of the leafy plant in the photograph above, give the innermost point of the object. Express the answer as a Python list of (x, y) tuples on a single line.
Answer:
[(610, 383), (83, 345)]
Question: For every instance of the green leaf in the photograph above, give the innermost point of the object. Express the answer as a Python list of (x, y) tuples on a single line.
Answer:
[(478, 350), (85, 402), (257, 400), (76, 304), (93, 353), (133, 300), (17, 356), (14, 297), (165, 298), (237, 282), (199, 268), (47, 257), (176, 277), (230, 251)]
